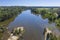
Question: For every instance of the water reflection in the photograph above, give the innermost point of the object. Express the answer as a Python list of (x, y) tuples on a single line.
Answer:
[(33, 25), (6, 22)]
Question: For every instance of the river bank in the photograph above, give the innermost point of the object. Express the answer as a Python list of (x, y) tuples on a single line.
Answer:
[(52, 14)]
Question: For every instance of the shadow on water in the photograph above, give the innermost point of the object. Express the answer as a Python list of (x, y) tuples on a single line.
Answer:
[(33, 25), (6, 22)]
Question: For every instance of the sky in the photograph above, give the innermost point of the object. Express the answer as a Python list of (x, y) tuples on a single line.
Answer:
[(29, 2)]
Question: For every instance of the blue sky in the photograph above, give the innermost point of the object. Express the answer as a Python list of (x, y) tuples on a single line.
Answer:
[(29, 2)]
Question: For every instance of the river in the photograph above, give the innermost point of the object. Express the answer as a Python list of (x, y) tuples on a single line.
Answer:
[(33, 25)]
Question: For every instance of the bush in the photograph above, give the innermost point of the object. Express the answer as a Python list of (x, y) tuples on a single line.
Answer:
[(57, 21)]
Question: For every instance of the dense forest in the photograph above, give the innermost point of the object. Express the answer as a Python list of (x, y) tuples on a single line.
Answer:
[(8, 12)]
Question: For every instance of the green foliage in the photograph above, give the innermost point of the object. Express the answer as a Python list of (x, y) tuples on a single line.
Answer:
[(8, 12), (53, 14), (16, 31), (2, 30), (58, 22), (1, 35), (50, 16), (39, 11), (53, 37)]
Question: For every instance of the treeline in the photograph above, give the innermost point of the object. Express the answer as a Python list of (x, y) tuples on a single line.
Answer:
[(8, 12), (53, 14)]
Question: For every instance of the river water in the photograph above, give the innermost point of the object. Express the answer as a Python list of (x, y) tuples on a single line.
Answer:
[(33, 25)]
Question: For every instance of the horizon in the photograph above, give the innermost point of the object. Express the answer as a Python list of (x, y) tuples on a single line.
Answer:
[(35, 6)]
